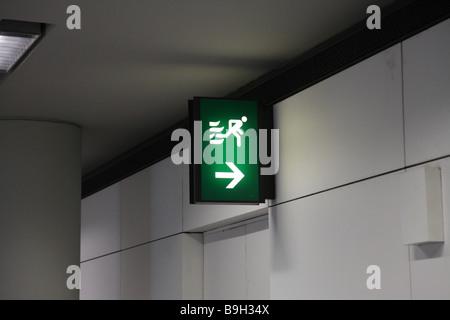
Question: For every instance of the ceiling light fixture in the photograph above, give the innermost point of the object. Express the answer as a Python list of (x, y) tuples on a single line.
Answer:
[(17, 38)]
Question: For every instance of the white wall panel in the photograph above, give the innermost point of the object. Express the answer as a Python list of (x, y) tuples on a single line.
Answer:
[(431, 279), (258, 257), (101, 223), (135, 273), (343, 129), (427, 98), (322, 245), (151, 204), (166, 261), (192, 266), (100, 278), (159, 270), (203, 217), (152, 271), (225, 275), (237, 262)]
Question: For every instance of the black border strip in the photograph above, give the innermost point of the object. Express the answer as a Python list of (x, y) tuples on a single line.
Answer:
[(400, 21), (267, 183), (195, 189)]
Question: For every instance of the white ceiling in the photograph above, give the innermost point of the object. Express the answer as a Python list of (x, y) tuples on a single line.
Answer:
[(129, 72)]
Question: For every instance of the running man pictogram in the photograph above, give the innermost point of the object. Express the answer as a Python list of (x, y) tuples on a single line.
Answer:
[(234, 128)]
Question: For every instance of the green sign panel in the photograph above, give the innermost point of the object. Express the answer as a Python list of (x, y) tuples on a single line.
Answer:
[(226, 166)]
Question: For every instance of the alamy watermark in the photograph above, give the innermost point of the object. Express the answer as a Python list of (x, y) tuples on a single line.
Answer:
[(374, 21), (74, 20), (74, 280), (251, 146), (374, 280)]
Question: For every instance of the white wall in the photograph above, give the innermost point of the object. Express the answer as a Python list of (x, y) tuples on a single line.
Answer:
[(427, 114), (151, 204), (134, 230), (158, 270), (430, 264), (101, 223), (132, 243), (322, 245), (258, 260), (100, 278), (237, 262), (427, 99), (224, 258), (101, 242), (347, 128)]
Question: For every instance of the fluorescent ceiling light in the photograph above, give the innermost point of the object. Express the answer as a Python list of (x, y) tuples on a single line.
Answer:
[(12, 49), (16, 40)]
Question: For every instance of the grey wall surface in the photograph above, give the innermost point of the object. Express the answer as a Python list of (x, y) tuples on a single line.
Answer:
[(40, 190)]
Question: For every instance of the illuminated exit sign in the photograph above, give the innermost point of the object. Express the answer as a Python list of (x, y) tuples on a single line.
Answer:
[(225, 158)]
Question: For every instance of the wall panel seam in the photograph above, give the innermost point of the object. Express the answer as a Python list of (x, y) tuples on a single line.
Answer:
[(404, 168)]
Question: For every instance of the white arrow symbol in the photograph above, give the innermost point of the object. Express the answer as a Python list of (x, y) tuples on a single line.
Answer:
[(236, 175)]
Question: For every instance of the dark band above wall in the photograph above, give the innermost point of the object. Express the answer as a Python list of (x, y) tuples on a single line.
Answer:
[(400, 21)]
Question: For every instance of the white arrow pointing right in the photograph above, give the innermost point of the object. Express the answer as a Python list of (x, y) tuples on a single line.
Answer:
[(236, 175)]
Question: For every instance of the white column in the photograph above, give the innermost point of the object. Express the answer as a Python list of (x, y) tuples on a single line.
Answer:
[(40, 200)]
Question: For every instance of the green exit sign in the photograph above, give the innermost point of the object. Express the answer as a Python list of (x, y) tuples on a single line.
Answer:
[(225, 166)]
